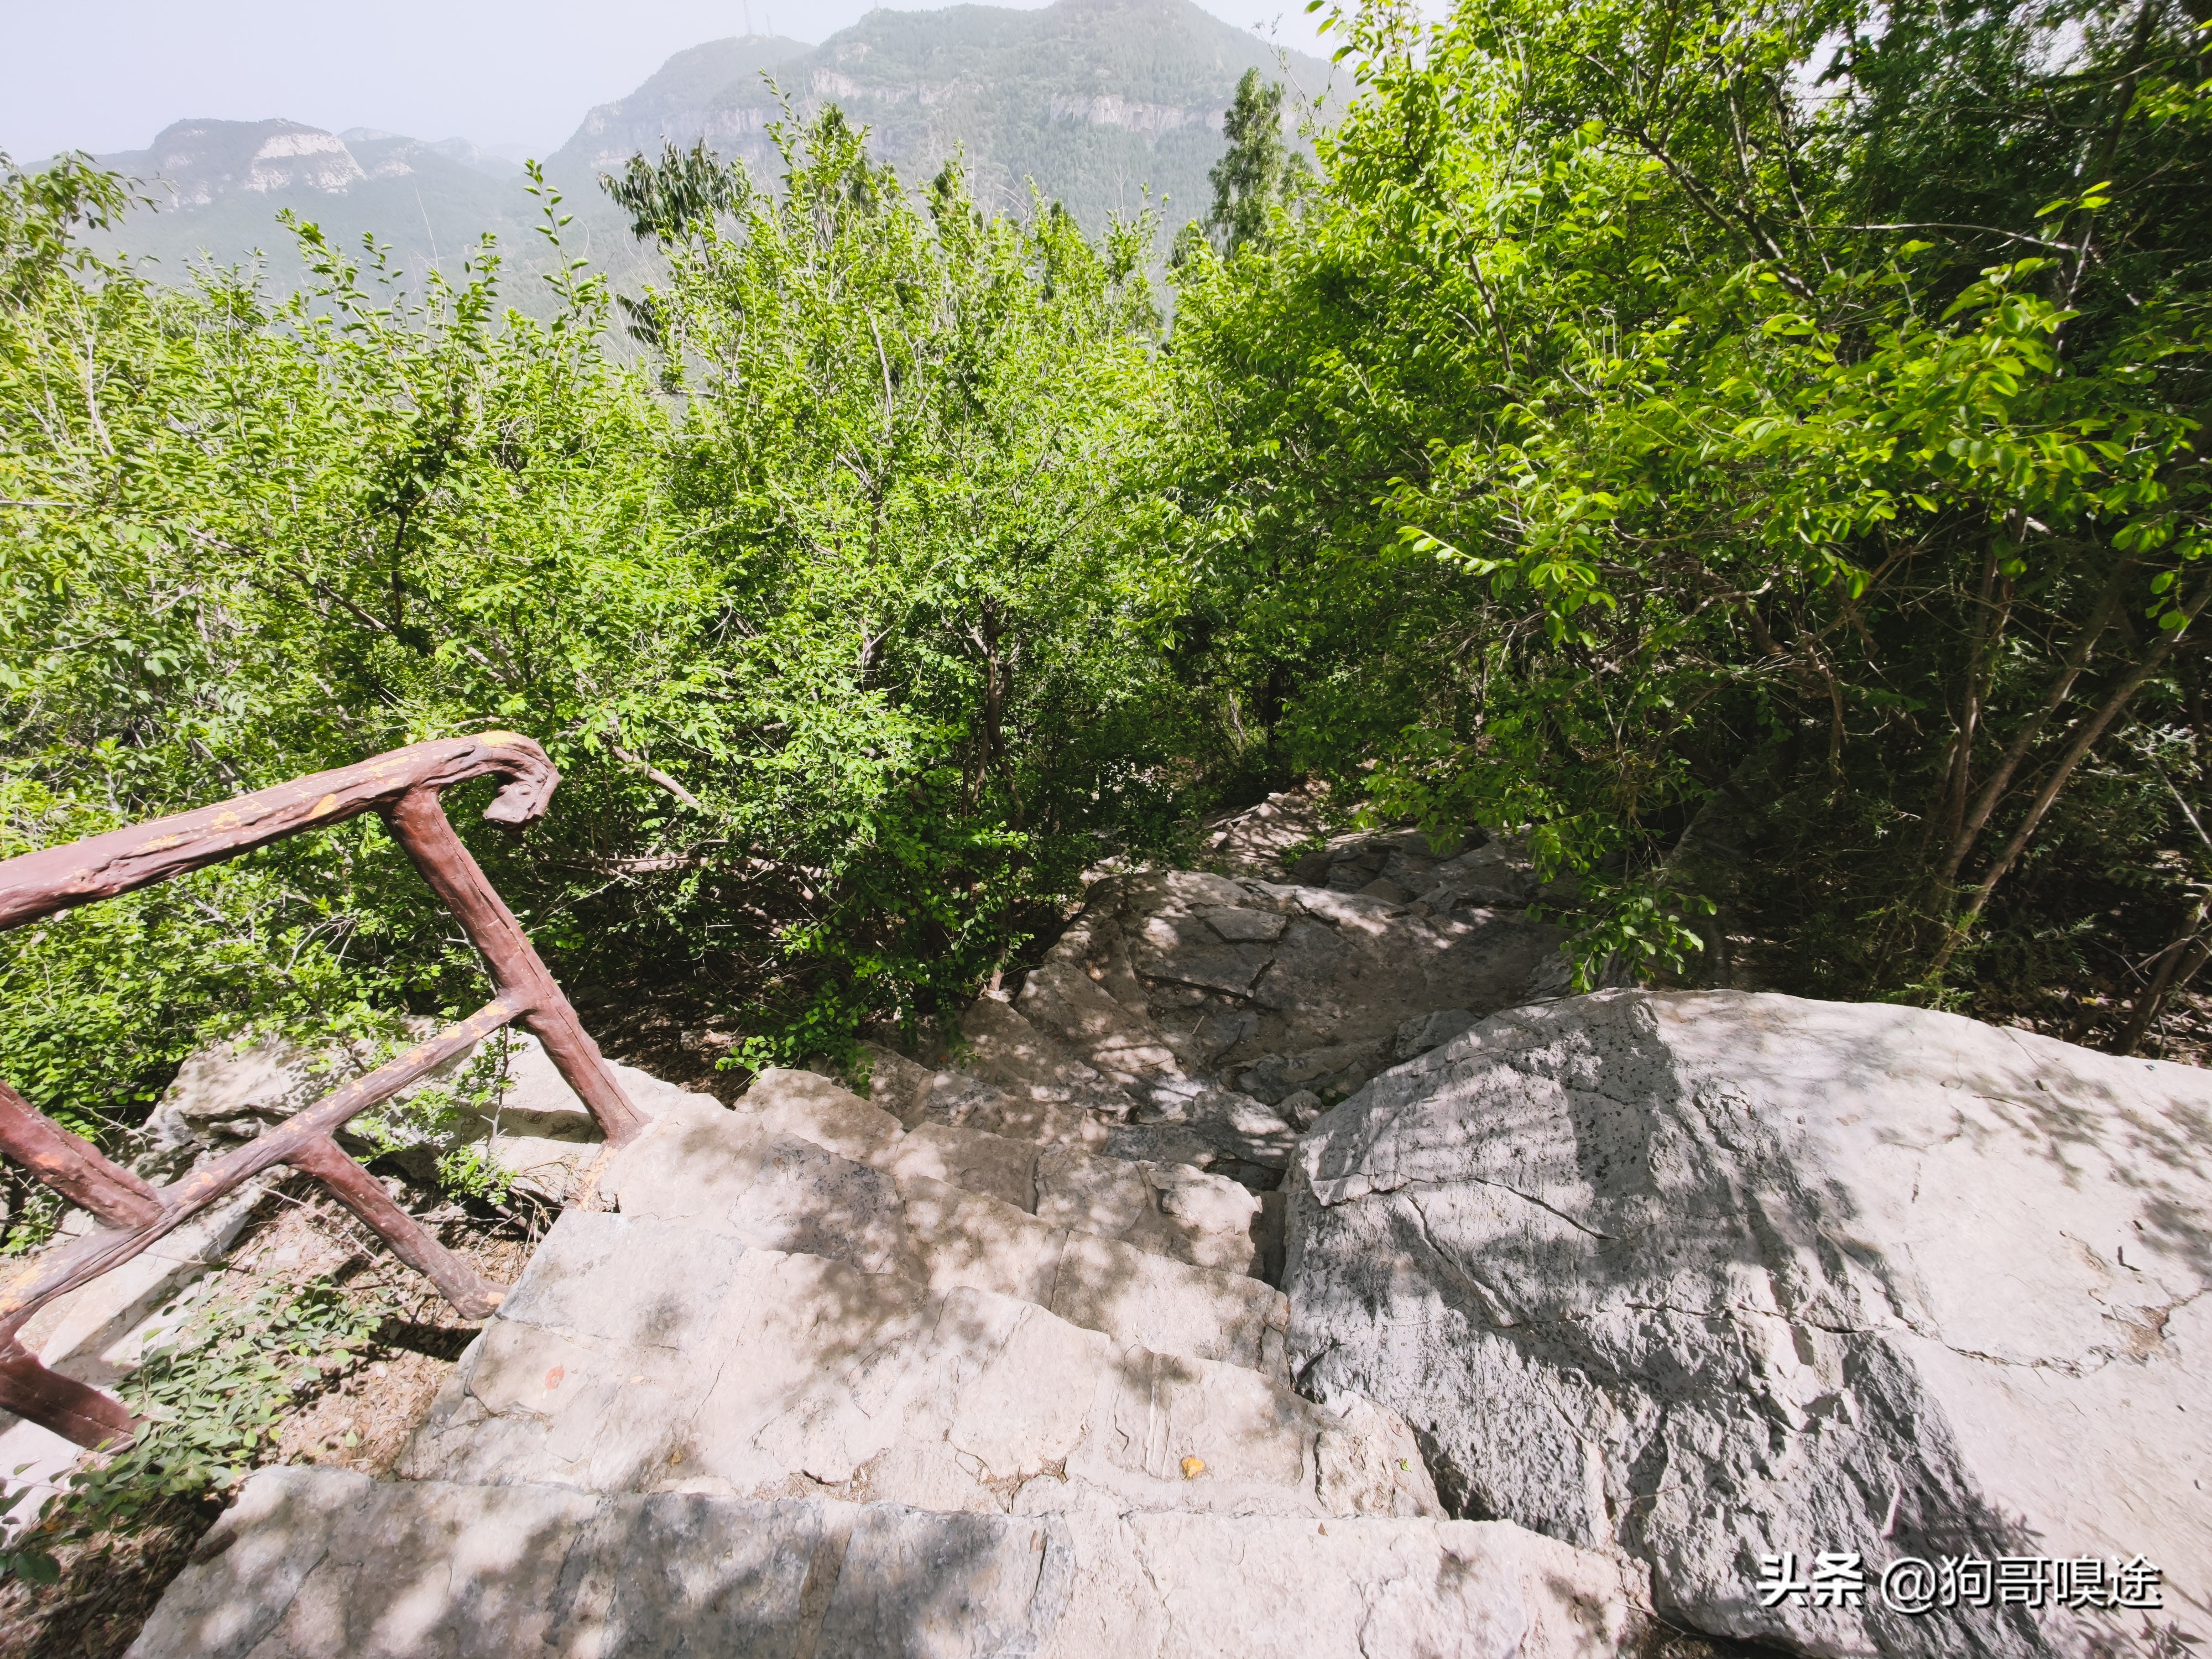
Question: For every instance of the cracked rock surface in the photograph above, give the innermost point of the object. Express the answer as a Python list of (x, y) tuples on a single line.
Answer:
[(1232, 1010), (991, 1363), (1696, 1278), (311, 1563)]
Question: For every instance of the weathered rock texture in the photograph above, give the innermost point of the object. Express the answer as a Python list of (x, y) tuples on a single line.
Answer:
[(831, 1378), (311, 1563), (1208, 1003), (532, 1125), (1704, 1277), (994, 1363)]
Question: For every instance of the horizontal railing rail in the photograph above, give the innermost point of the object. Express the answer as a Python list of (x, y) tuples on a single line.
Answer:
[(404, 786)]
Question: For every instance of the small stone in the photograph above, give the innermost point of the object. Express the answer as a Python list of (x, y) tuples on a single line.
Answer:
[(1425, 1031), (1245, 926), (1193, 1467)]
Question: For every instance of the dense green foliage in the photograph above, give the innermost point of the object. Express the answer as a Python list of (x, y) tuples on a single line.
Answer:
[(1260, 172), (839, 637), (1795, 408), (914, 445), (1784, 417)]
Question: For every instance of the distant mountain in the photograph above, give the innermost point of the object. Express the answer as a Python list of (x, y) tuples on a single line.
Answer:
[(681, 100), (218, 185), (505, 168), (1094, 100)]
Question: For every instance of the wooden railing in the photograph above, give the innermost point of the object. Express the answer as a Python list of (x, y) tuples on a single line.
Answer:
[(404, 786)]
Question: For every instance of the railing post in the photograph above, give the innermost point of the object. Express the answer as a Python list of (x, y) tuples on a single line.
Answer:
[(76, 1411), (473, 1296), (418, 820)]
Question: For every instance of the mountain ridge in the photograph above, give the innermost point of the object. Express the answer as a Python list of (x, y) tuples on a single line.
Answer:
[(1092, 100), (1105, 105)]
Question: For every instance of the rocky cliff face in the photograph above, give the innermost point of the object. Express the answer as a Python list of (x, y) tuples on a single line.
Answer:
[(192, 163), (218, 188), (195, 164), (1724, 1305), (1093, 100), (694, 95)]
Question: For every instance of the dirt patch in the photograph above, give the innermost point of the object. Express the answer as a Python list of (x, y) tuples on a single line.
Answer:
[(357, 1415)]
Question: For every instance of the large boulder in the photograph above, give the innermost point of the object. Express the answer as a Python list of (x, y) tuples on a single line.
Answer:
[(1211, 1002), (1701, 1278)]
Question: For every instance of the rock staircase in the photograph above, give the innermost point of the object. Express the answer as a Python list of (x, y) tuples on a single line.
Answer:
[(990, 1362)]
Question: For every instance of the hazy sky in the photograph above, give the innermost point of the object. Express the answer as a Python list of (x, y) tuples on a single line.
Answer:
[(109, 76)]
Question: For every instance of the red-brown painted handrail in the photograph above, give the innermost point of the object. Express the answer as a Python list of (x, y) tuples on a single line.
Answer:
[(403, 786)]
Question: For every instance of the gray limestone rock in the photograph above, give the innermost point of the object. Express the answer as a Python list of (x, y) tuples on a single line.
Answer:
[(1154, 1187), (1251, 926), (1256, 840), (1234, 1125), (1016, 1081), (1704, 1278), (730, 1174), (1168, 1209), (1324, 1072), (757, 1373), (531, 1124), (1175, 982), (230, 1092), (312, 1562), (1425, 1031), (315, 1562), (1006, 1050)]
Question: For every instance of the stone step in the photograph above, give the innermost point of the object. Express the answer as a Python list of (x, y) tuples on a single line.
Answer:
[(1003, 1048), (916, 1095), (905, 1212), (1164, 1207), (313, 1562), (1130, 1132), (1237, 1008), (641, 1355)]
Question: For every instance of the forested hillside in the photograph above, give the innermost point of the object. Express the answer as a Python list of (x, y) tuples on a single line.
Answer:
[(1781, 423), (1095, 101), (216, 192)]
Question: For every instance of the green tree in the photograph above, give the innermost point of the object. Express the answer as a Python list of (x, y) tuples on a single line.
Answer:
[(1788, 410), (1260, 172), (844, 631), (918, 440)]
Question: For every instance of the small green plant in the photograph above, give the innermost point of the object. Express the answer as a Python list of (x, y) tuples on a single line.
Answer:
[(210, 1400), (33, 1215), (466, 1171), (1637, 927), (23, 1558), (434, 1111)]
